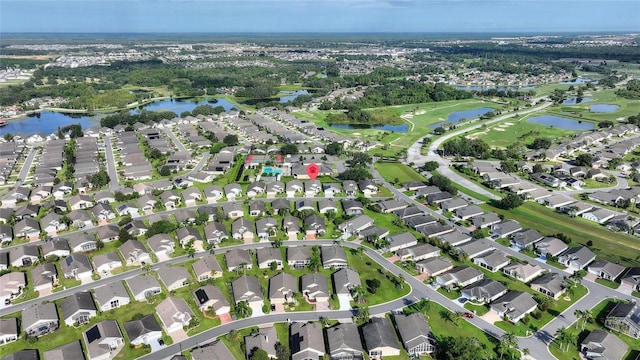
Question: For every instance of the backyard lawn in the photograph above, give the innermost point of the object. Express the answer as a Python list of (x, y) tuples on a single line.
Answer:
[(402, 172)]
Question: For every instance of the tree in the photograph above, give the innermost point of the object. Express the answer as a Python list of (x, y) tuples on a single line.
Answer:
[(431, 165), (289, 149), (191, 252), (356, 174), (164, 171), (282, 352), (461, 348), (373, 285), (259, 354), (334, 148), (358, 293), (242, 309), (230, 140), (360, 159), (439, 130), (510, 340), (583, 316), (99, 179), (540, 143), (585, 159), (511, 201), (363, 314), (564, 337), (443, 183)]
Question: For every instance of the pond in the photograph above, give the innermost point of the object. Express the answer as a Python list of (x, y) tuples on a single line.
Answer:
[(47, 122), (455, 117), (603, 108), (574, 101), (291, 95), (579, 80), (561, 123), (402, 128), (179, 106)]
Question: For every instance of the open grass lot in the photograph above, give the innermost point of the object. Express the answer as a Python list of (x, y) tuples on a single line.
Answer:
[(368, 270), (418, 116), (402, 172), (612, 246), (518, 130), (599, 313)]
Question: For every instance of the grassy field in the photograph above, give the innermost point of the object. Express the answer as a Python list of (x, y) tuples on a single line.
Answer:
[(599, 312), (583, 110), (518, 131), (418, 116), (402, 172), (612, 246), (369, 269)]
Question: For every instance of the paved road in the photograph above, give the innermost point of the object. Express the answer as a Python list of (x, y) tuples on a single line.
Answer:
[(24, 172), (175, 139), (114, 182), (202, 162)]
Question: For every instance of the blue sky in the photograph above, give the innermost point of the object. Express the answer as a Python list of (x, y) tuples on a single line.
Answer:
[(219, 16)]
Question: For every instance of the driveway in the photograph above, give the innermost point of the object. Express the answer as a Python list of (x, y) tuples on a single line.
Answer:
[(155, 345), (345, 302)]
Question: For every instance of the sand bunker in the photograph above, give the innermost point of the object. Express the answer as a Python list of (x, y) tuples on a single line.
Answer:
[(407, 116), (420, 112), (356, 134), (498, 129), (508, 124)]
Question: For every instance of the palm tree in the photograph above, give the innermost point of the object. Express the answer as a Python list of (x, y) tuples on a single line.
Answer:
[(456, 317), (315, 263), (584, 316), (363, 314), (359, 294), (510, 340), (191, 251), (564, 336), (242, 309)]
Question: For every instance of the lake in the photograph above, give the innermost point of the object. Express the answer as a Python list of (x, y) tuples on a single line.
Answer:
[(561, 123), (455, 117), (574, 101), (578, 81), (291, 95), (402, 128), (47, 122), (603, 108)]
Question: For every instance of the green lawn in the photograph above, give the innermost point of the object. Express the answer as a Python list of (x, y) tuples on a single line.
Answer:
[(599, 312), (615, 247), (235, 344), (402, 172), (479, 310), (608, 283), (369, 269)]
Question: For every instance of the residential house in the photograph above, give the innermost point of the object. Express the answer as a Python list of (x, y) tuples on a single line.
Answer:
[(79, 202), (215, 232), (175, 313), (56, 247), (233, 191), (551, 284), (44, 276), (267, 256), (550, 246), (6, 234), (266, 228), (134, 253), (603, 345), (9, 330), (577, 258), (344, 342), (242, 229), (143, 286), (103, 212), (40, 319), (83, 242), (291, 225), (238, 258), (265, 339), (293, 188), (247, 288), (305, 205), (327, 205), (77, 266), (631, 280), (143, 331), (216, 350), (78, 308), (408, 212), (25, 255), (213, 193), (389, 206), (104, 263), (256, 188), (434, 266), (415, 334), (418, 252), (233, 210), (352, 207), (344, 281), (161, 244), (12, 285), (174, 277), (191, 196), (27, 228), (459, 276), (599, 215), (103, 339), (401, 241), (315, 287), (484, 291), (257, 208), (368, 188), (314, 225), (274, 189), (80, 218), (207, 267), (333, 257), (132, 210), (307, 341), (280, 205), (493, 261), (282, 287), (476, 248), (350, 188), (170, 199), (52, 223), (514, 305), (524, 272), (504, 229), (625, 318), (380, 338), (331, 190), (187, 235), (71, 351), (210, 297), (111, 296), (606, 270), (456, 238), (525, 238), (185, 217), (485, 220), (354, 226)]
